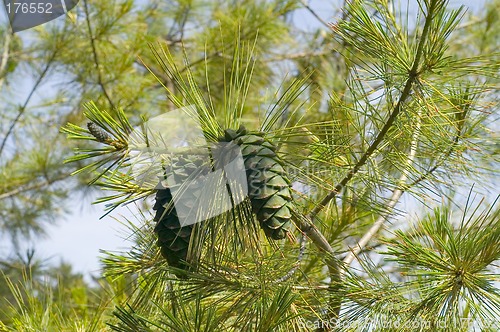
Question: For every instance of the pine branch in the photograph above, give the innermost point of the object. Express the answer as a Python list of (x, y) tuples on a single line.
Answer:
[(95, 55), (396, 195), (23, 107), (306, 225), (34, 186), (5, 56), (413, 75), (443, 158), (336, 271), (294, 269), (461, 117), (299, 55)]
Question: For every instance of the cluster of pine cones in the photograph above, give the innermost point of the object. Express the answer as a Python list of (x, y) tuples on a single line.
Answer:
[(268, 190)]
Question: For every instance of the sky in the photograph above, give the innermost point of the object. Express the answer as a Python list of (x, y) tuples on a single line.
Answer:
[(79, 237)]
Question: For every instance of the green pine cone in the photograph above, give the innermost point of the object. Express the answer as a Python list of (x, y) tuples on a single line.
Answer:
[(268, 186), (173, 239), (98, 132)]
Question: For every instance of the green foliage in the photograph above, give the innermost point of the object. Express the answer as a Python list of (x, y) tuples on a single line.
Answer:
[(49, 299), (453, 266), (442, 275)]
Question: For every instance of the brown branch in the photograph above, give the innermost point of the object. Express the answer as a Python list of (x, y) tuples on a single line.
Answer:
[(298, 55), (23, 107), (399, 192), (396, 195), (34, 186), (5, 56), (405, 94), (291, 272), (308, 227), (305, 224), (100, 80), (446, 155)]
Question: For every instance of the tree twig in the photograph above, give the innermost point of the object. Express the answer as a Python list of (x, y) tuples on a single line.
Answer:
[(5, 56), (405, 94), (299, 55), (23, 107), (396, 195), (306, 225), (378, 223), (34, 186), (100, 80), (291, 272), (441, 161)]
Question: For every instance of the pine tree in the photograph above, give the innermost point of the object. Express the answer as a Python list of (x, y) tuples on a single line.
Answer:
[(383, 105)]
